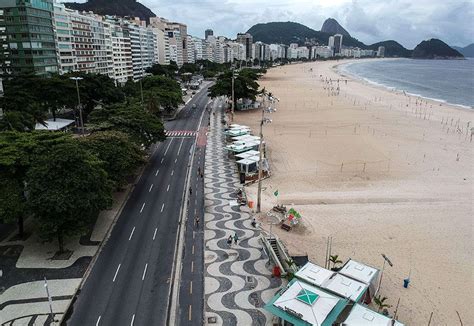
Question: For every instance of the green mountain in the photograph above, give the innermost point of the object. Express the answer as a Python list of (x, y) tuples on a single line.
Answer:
[(290, 32), (435, 49), (467, 51), (392, 49), (123, 8)]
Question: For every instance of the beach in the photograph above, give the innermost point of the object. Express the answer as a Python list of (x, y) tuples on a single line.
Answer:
[(381, 172)]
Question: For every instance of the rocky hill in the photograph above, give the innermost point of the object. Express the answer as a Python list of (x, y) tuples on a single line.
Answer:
[(331, 26), (435, 49), (467, 51), (290, 32), (124, 8), (392, 49)]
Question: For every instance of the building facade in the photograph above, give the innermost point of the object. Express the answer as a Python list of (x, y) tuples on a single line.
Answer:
[(247, 40)]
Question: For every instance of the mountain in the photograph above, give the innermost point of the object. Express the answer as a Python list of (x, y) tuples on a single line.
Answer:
[(123, 8), (467, 51), (392, 49), (331, 26), (290, 32), (435, 49)]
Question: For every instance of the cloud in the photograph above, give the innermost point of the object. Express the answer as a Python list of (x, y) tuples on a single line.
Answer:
[(406, 21)]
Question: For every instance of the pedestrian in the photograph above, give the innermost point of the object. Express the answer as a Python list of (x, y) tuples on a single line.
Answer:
[(199, 170), (254, 222), (190, 191), (229, 241), (196, 221), (202, 175), (236, 238)]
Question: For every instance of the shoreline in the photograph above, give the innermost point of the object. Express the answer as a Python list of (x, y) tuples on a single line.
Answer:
[(337, 68), (404, 186)]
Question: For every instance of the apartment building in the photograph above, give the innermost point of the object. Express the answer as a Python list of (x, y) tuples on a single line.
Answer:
[(64, 39), (121, 50), (27, 37)]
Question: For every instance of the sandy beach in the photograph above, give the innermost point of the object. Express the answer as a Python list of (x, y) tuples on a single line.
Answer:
[(380, 172)]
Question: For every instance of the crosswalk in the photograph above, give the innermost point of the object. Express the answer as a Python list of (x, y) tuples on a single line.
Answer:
[(180, 133)]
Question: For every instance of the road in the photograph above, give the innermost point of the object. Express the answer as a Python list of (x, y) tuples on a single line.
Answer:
[(131, 281)]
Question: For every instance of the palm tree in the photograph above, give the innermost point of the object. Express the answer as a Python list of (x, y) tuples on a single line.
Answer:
[(380, 303), (334, 259)]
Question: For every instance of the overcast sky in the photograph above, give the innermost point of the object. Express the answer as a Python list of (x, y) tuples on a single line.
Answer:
[(406, 21)]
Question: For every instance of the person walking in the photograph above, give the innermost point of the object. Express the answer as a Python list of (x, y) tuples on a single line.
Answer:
[(190, 190), (229, 241), (196, 221), (236, 238)]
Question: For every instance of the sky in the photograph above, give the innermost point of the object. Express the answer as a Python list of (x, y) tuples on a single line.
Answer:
[(406, 21)]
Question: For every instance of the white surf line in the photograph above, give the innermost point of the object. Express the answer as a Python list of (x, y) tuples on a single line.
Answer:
[(115, 276), (162, 207), (144, 272), (133, 319), (151, 187), (131, 234), (98, 321), (154, 234), (168, 189), (157, 171), (166, 151), (181, 144), (143, 206)]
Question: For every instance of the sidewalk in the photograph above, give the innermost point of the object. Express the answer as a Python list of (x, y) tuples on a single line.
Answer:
[(238, 279)]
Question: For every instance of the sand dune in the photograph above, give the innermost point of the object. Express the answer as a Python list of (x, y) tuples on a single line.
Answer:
[(380, 172)]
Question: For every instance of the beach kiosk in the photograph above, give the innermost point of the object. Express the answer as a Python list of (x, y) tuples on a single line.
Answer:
[(334, 282), (362, 273), (302, 304), (361, 315)]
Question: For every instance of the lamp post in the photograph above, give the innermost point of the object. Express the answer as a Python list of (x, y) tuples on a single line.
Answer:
[(233, 94), (385, 260), (77, 79)]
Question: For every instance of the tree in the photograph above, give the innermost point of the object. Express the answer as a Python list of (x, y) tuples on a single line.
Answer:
[(380, 302), (67, 188), (119, 155), (163, 70), (334, 259), (142, 127), (163, 92), (16, 150)]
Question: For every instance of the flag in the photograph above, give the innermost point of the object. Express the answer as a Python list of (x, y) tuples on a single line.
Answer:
[(276, 193)]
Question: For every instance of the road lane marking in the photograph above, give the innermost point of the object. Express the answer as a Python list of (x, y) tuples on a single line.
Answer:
[(157, 171), (192, 267), (154, 234), (98, 321), (168, 147), (175, 160), (143, 206), (168, 188), (189, 313), (151, 187), (191, 287), (193, 250), (144, 272), (179, 149), (131, 234), (162, 160), (162, 207), (115, 276), (172, 172), (195, 211), (133, 319)]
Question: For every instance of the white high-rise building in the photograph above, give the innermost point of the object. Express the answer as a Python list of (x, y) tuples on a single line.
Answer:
[(191, 49), (121, 50), (199, 45), (64, 39)]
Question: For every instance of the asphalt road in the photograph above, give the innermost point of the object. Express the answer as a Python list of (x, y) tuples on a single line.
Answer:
[(131, 280)]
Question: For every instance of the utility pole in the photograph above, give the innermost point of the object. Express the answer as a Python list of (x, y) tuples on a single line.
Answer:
[(76, 79), (260, 154), (385, 259), (233, 93)]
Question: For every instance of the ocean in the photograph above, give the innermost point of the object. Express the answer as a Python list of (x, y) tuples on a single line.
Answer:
[(450, 81)]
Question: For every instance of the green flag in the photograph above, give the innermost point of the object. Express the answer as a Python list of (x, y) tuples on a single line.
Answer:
[(276, 193)]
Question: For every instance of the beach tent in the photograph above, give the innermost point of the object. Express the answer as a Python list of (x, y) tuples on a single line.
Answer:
[(314, 274), (248, 165), (246, 137), (362, 273), (300, 303), (55, 125), (247, 154), (236, 132), (361, 315)]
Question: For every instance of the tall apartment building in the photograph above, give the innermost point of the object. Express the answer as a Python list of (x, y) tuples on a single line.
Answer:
[(190, 48), (64, 39), (247, 40), (208, 32), (143, 46), (27, 37), (158, 25), (177, 39), (121, 50), (199, 46), (337, 43)]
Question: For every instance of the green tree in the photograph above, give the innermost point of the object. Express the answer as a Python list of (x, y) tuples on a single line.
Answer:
[(163, 92), (16, 150), (67, 188), (142, 127), (380, 302), (334, 259), (120, 156), (164, 70)]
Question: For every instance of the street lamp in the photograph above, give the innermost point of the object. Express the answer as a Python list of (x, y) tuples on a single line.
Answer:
[(385, 260), (260, 163), (77, 79)]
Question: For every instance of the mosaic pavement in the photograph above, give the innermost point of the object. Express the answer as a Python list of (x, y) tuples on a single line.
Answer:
[(238, 279)]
